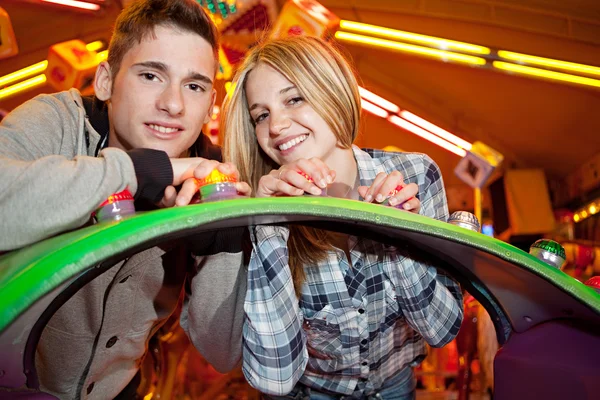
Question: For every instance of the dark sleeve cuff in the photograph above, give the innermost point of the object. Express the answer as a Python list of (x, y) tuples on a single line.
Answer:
[(153, 171)]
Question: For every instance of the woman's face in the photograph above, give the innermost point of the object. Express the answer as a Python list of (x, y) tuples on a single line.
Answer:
[(287, 127)]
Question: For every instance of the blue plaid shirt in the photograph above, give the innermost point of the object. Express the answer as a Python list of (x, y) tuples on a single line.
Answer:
[(354, 326)]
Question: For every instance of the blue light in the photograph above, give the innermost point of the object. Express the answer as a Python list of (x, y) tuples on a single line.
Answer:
[(488, 229)]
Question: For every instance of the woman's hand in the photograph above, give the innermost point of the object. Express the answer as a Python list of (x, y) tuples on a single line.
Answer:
[(389, 189), (295, 179)]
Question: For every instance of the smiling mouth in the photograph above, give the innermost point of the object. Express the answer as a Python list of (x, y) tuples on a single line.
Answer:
[(291, 143), (163, 129)]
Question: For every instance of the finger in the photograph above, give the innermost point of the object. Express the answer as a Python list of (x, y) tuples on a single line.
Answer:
[(412, 205), (389, 187), (285, 189), (243, 189), (326, 173), (362, 191), (228, 168), (298, 180), (316, 170), (187, 191), (374, 188), (403, 194), (169, 197), (202, 170), (270, 185)]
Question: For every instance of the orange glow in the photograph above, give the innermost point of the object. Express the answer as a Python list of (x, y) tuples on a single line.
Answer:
[(75, 4), (94, 46), (435, 129), (102, 56), (402, 123), (373, 109), (380, 101), (215, 176)]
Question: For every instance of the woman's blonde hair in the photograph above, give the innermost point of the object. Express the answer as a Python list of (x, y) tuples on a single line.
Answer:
[(327, 83)]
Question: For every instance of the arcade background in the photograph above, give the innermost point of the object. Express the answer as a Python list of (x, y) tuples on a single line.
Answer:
[(520, 148)]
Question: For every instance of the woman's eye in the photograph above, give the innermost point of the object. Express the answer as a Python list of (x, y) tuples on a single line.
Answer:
[(295, 100), (260, 118)]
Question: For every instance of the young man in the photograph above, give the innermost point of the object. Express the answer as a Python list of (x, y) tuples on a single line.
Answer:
[(62, 155)]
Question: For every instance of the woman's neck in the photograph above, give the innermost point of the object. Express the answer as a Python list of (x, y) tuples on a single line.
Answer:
[(346, 174)]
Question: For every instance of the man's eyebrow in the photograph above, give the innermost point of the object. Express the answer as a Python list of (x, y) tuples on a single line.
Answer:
[(199, 77), (282, 91), (153, 64), (165, 68)]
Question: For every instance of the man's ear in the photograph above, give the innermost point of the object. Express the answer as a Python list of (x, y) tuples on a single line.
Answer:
[(212, 106), (103, 81)]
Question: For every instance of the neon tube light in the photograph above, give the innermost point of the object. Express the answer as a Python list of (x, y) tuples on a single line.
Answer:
[(410, 48), (435, 129), (23, 73), (380, 101), (373, 109), (395, 34), (549, 62), (542, 73), (75, 4), (22, 86), (402, 123)]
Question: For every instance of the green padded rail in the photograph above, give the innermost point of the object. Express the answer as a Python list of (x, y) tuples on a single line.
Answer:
[(28, 274)]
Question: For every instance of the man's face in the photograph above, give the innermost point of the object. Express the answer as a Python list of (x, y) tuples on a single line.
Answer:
[(163, 92)]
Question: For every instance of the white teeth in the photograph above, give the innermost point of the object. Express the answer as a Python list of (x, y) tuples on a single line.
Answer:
[(163, 129), (291, 143)]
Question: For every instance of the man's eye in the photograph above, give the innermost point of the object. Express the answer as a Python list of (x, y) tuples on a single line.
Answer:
[(196, 88), (148, 76)]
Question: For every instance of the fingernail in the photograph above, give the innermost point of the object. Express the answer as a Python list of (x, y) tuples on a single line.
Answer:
[(329, 179), (368, 198), (322, 183), (406, 206), (393, 201), (379, 198), (316, 191)]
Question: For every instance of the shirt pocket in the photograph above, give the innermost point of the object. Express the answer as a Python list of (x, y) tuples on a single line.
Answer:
[(323, 333)]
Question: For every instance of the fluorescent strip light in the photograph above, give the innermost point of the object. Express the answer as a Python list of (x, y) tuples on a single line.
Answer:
[(75, 3), (410, 48), (373, 109), (22, 86), (435, 129), (542, 73), (402, 123), (23, 73), (549, 62), (380, 101), (440, 43)]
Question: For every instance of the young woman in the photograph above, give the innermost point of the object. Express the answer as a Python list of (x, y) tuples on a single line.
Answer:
[(330, 316)]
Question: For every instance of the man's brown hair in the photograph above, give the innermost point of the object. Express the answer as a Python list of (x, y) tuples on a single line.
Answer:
[(139, 19)]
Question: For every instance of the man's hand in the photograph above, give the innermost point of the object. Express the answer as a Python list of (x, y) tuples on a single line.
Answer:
[(385, 184), (187, 170), (294, 179)]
